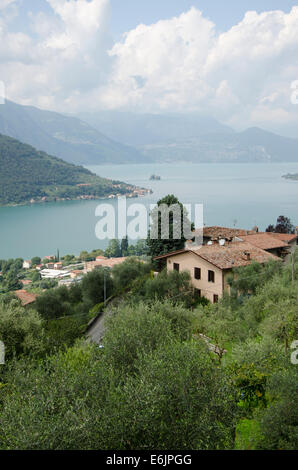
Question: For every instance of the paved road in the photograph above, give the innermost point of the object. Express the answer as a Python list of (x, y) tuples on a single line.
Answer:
[(96, 331)]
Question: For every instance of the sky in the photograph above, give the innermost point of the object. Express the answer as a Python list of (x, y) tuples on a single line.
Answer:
[(235, 60)]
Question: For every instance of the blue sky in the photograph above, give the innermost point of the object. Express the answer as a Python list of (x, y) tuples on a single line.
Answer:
[(127, 14), (233, 59)]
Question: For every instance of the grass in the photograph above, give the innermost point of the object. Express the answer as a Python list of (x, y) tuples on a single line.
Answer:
[(248, 433)]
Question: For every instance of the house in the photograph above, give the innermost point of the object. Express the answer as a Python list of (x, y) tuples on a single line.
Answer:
[(100, 258), (268, 242), (27, 264), (215, 233), (53, 274), (69, 282), (26, 298), (50, 265), (291, 239), (89, 266), (49, 258), (210, 265), (58, 265), (275, 243), (26, 282), (76, 273)]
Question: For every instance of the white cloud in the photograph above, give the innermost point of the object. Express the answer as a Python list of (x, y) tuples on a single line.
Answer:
[(241, 76), (5, 3), (67, 59), (185, 64)]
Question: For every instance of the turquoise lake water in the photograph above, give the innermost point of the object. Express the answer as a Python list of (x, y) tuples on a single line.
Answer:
[(240, 194)]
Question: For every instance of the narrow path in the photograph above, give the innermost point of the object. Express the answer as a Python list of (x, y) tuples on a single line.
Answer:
[(96, 331)]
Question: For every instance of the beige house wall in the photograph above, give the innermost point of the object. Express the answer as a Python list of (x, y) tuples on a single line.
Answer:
[(188, 262)]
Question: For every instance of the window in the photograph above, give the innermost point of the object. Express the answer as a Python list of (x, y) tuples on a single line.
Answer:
[(198, 273), (215, 299), (198, 293), (211, 276), (176, 267)]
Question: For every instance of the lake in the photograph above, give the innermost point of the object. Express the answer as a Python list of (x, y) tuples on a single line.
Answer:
[(244, 195)]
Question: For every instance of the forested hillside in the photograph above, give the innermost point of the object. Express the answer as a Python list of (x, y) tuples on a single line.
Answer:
[(155, 382), (27, 174)]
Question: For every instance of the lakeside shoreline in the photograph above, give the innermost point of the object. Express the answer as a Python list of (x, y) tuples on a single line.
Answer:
[(136, 193)]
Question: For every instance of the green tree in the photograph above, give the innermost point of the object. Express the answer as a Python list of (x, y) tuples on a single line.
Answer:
[(279, 421), (21, 330), (130, 270), (95, 285), (124, 246), (157, 244), (173, 286), (36, 261), (283, 225), (113, 250)]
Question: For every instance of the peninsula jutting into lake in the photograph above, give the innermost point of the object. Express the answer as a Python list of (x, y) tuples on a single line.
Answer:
[(29, 176)]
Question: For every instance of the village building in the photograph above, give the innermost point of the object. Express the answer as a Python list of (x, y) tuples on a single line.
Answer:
[(68, 282), (210, 265), (50, 265), (215, 233), (53, 274), (76, 273), (58, 265), (89, 266), (290, 239), (278, 244), (26, 298), (267, 242), (49, 258), (27, 264)]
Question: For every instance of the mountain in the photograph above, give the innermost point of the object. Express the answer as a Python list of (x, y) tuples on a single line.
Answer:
[(28, 175), (140, 130), (65, 137), (193, 138)]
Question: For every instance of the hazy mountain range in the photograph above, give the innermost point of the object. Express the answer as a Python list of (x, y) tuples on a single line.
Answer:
[(192, 137), (65, 137), (120, 137)]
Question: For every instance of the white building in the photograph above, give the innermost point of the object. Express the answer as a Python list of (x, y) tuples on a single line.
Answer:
[(27, 264), (53, 274)]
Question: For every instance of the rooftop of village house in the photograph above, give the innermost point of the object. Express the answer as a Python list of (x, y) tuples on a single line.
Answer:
[(285, 237), (25, 297), (105, 262), (228, 256), (265, 241), (216, 232)]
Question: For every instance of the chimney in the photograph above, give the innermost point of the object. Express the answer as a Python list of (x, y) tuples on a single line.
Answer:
[(247, 255)]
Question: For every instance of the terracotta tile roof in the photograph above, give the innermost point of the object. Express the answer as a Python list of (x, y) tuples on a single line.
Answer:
[(231, 255), (265, 241), (225, 232), (285, 237), (25, 297), (105, 262)]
